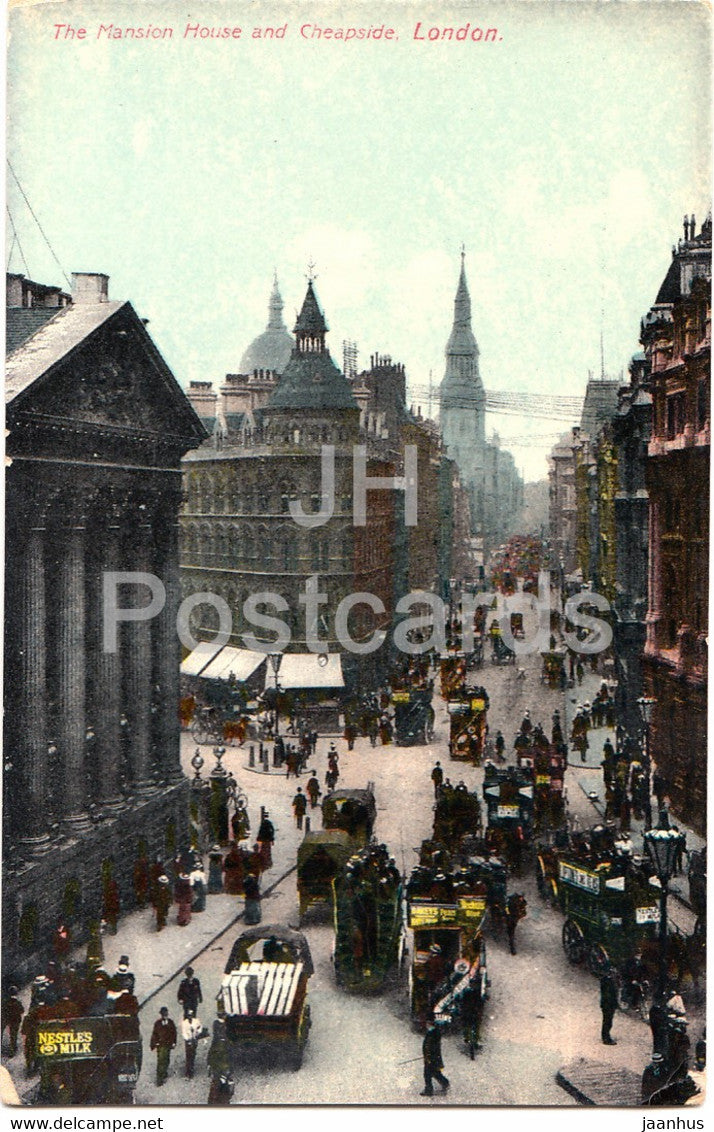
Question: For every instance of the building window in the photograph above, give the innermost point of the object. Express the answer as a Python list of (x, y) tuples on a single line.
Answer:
[(675, 415), (702, 404), (289, 553)]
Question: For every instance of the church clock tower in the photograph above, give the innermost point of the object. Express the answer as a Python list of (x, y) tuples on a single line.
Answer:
[(463, 403)]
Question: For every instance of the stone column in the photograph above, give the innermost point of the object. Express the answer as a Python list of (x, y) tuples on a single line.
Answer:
[(71, 664), (106, 708), (136, 664), (167, 654), (31, 740)]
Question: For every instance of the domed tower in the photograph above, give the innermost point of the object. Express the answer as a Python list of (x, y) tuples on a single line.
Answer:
[(463, 402), (271, 350)]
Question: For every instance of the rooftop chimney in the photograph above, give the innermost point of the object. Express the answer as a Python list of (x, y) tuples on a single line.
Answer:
[(89, 287)]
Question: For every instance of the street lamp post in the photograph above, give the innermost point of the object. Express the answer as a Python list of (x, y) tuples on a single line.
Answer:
[(661, 845), (274, 658)]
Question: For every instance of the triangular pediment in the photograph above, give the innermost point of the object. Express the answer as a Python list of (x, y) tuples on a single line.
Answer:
[(113, 377)]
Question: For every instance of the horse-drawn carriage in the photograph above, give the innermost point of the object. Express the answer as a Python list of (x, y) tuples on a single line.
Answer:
[(611, 908), (353, 811), (369, 920), (553, 670), (467, 733), (508, 793), (546, 765), (321, 855), (500, 652), (452, 669), (92, 1061), (264, 994), (457, 813), (413, 716), (448, 975)]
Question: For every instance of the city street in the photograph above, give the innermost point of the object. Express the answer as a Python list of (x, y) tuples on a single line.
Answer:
[(541, 1012)]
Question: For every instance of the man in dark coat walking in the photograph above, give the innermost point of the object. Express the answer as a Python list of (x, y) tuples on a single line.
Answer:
[(608, 1004), (12, 1012), (299, 806), (433, 1061), (189, 992), (163, 1040)]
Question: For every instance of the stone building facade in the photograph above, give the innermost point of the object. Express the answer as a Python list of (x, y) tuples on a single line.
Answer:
[(238, 536), (676, 337), (630, 437), (97, 428)]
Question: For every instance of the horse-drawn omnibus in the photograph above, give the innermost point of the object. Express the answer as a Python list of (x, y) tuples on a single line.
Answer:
[(508, 793), (467, 718), (369, 920), (353, 811), (611, 909), (448, 975), (413, 716), (92, 1061)]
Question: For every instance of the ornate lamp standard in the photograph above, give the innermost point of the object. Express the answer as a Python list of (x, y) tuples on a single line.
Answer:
[(274, 658), (661, 845)]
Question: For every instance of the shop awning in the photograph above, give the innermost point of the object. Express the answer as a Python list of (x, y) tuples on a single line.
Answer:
[(197, 660), (303, 670), (241, 663)]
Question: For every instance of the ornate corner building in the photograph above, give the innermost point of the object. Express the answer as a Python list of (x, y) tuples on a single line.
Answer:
[(267, 429), (97, 426), (676, 337)]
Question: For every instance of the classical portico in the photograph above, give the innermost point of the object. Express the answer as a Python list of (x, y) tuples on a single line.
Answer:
[(97, 428)]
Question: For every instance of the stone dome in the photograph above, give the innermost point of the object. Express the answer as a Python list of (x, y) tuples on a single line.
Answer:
[(271, 350)]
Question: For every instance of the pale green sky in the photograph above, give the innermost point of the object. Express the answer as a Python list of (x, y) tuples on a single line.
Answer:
[(564, 156)]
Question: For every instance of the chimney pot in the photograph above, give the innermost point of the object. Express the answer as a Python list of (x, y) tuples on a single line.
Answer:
[(90, 287)]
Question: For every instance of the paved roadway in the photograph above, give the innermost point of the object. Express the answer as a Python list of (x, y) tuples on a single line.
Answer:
[(541, 1012)]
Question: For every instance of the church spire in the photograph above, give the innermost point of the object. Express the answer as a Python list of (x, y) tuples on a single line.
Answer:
[(462, 387)]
